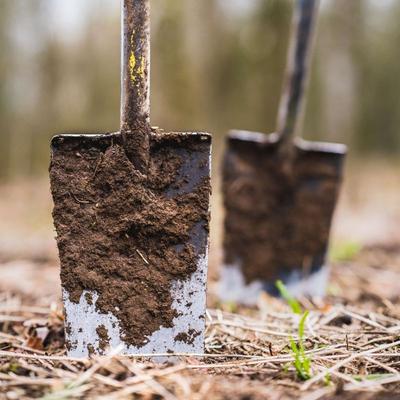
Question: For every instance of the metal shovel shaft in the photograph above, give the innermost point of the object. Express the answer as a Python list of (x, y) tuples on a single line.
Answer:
[(135, 81), (135, 71), (297, 72)]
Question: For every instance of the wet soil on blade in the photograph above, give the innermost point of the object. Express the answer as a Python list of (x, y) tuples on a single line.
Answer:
[(125, 235), (104, 341), (278, 221)]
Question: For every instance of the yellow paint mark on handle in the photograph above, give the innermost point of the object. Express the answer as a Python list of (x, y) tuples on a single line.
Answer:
[(132, 65), (141, 67), (136, 69), (132, 59)]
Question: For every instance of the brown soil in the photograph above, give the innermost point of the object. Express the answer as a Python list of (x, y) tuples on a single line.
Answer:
[(125, 235), (276, 221), (187, 337), (102, 332)]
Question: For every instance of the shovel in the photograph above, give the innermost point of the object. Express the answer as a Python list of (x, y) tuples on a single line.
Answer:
[(280, 193), (131, 211)]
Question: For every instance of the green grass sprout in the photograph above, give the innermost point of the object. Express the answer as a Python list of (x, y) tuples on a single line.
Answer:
[(345, 251), (302, 362), (293, 303)]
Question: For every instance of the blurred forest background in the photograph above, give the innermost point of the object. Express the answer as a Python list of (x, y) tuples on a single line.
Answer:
[(216, 65)]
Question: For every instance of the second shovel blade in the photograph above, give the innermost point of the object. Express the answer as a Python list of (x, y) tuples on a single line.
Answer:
[(277, 223)]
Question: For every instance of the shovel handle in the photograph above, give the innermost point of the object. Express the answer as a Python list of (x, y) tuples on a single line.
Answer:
[(135, 74), (297, 70)]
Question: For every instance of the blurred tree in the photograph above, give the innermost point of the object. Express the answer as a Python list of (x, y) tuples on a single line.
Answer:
[(172, 84), (4, 77), (333, 99), (378, 116), (250, 67), (79, 83), (202, 26), (24, 43)]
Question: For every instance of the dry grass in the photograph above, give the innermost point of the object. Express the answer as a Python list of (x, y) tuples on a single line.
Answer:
[(352, 339)]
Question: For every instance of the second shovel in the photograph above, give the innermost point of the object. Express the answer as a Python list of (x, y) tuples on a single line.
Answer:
[(280, 193)]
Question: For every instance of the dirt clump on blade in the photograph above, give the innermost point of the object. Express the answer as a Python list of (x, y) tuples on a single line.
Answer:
[(104, 338), (124, 235)]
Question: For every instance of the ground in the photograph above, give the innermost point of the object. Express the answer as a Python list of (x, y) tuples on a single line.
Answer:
[(351, 339)]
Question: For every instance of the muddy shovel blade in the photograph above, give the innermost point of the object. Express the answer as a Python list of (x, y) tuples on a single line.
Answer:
[(133, 248), (277, 224)]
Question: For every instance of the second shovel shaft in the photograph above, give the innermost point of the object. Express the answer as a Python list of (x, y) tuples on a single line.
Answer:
[(135, 81), (298, 66)]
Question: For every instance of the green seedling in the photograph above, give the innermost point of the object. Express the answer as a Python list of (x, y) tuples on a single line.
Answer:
[(292, 302), (327, 379), (302, 362), (345, 251), (231, 306)]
